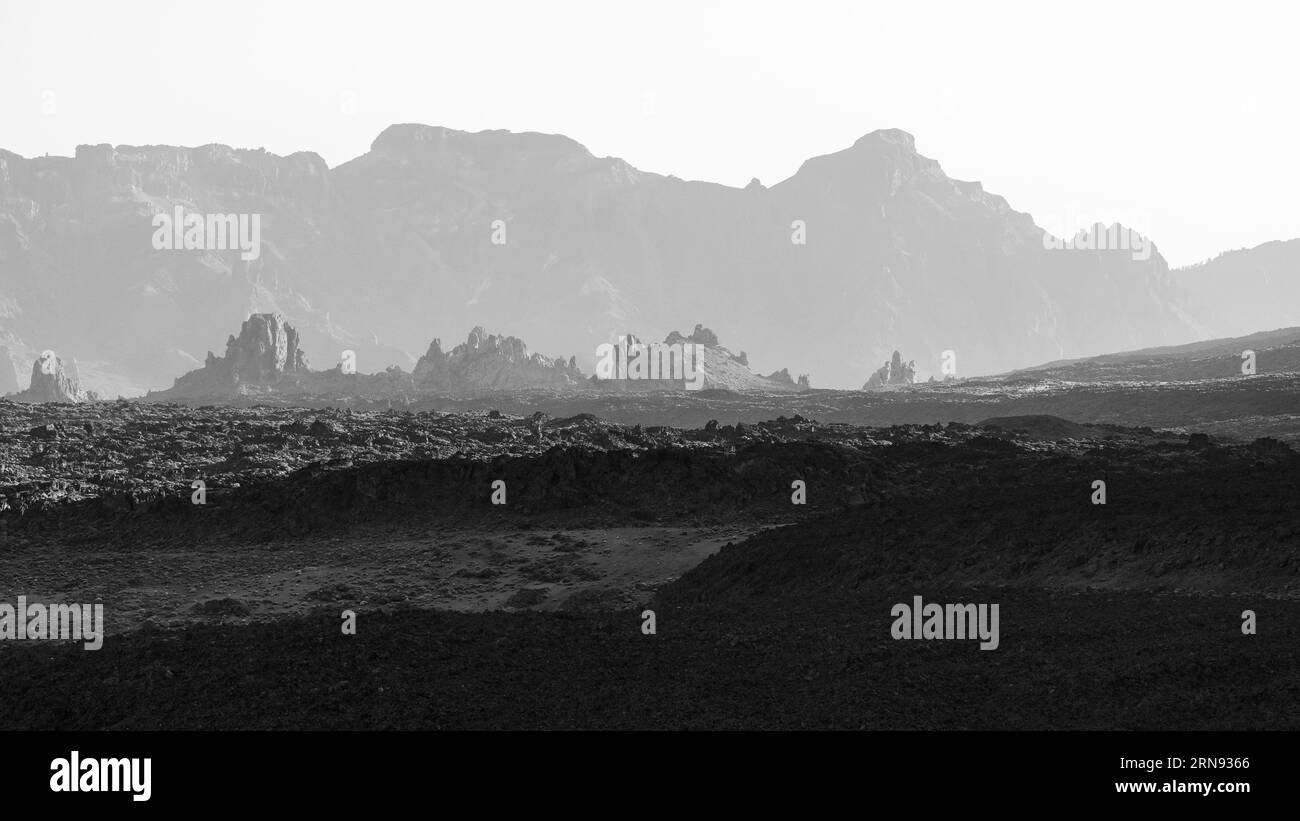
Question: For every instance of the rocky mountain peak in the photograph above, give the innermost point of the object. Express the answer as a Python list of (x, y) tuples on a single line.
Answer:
[(430, 145), (51, 382), (726, 370), (783, 377), (888, 136), (700, 336), (263, 353), (491, 362), (265, 350), (893, 373)]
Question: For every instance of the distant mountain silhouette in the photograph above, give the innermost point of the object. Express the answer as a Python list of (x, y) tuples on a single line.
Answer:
[(379, 253), (1244, 291)]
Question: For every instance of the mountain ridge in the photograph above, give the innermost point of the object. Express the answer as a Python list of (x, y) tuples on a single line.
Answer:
[(860, 252)]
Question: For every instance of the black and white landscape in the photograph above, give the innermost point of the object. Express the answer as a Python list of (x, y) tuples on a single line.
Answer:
[(478, 429)]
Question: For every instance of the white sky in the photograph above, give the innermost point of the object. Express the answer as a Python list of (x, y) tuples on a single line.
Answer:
[(1176, 118)]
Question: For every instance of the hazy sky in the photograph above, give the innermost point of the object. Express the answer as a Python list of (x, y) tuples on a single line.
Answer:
[(1178, 119)]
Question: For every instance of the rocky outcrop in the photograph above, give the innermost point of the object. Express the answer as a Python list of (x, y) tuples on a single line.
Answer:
[(264, 353), (51, 382), (266, 360), (722, 369), (266, 349), (701, 335), (892, 374), (783, 376), (488, 362), (729, 371)]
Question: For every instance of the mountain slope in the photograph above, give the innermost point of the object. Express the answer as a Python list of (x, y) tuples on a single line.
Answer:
[(1276, 352), (1239, 292)]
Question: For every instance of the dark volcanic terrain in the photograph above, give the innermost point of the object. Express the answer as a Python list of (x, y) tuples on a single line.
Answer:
[(528, 614)]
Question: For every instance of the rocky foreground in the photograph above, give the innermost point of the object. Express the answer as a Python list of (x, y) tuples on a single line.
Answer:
[(530, 613), (1080, 660), (132, 457)]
